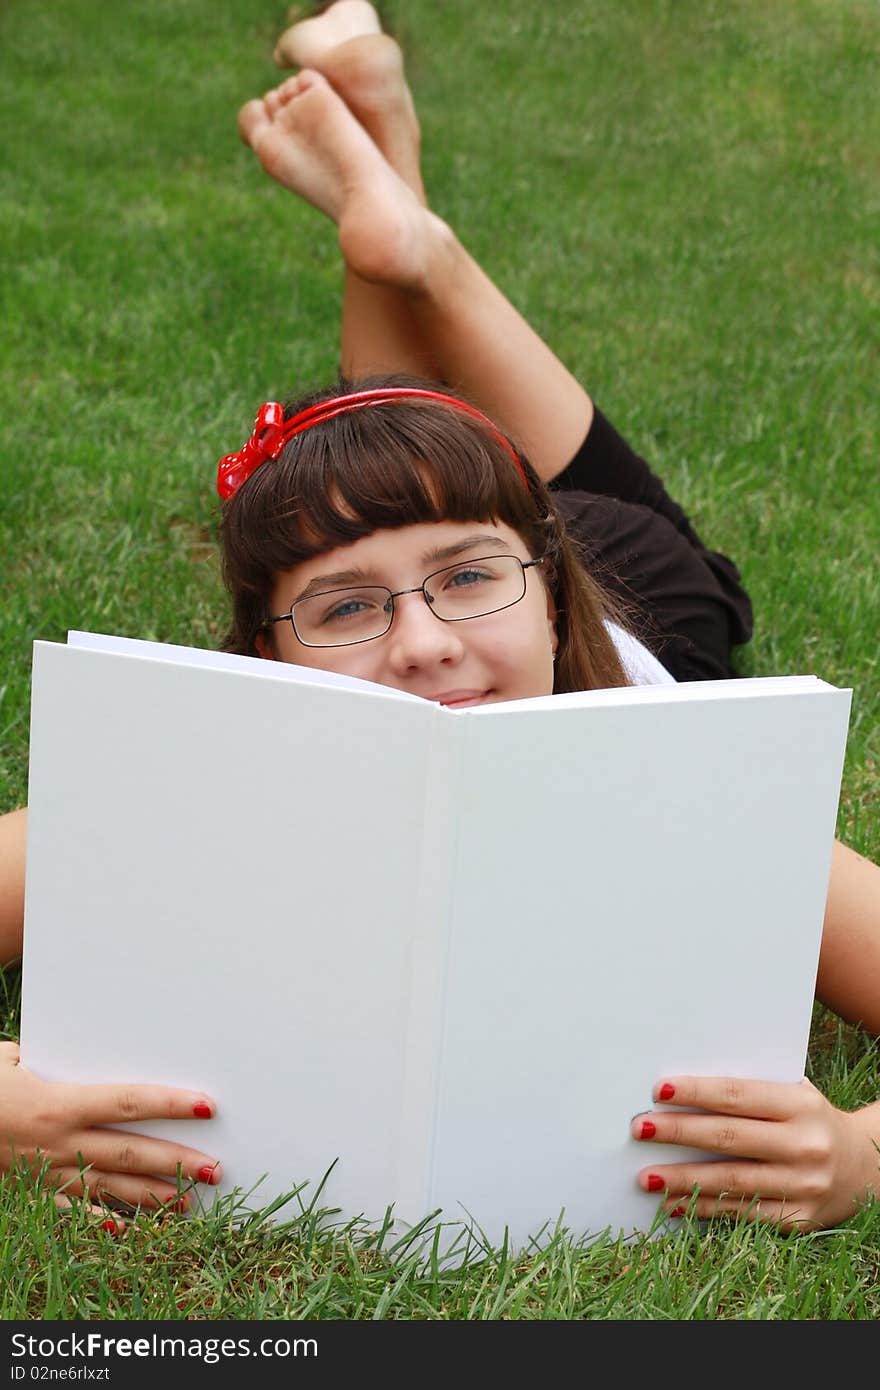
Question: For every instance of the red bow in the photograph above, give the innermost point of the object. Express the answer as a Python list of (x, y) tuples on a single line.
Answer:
[(266, 442)]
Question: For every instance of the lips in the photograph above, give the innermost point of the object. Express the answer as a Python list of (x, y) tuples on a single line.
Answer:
[(460, 699)]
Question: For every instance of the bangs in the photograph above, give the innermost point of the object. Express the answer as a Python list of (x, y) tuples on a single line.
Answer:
[(405, 473)]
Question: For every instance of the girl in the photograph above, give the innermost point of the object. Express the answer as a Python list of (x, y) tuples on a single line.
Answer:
[(343, 134)]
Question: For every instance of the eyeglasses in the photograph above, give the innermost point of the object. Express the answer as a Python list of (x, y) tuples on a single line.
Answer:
[(470, 589)]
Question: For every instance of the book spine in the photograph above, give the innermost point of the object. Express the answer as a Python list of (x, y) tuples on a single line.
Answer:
[(431, 927)]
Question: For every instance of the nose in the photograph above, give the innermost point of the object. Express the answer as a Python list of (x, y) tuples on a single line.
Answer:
[(419, 639)]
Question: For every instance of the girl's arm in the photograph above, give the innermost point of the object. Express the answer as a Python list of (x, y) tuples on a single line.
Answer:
[(849, 963), (13, 831)]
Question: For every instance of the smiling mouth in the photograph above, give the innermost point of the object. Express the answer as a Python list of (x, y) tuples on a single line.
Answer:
[(460, 699)]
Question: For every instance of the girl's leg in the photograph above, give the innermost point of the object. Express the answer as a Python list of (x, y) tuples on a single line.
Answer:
[(442, 310), (346, 45), (490, 352), (470, 336)]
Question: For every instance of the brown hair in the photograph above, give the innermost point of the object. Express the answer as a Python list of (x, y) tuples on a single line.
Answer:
[(400, 464)]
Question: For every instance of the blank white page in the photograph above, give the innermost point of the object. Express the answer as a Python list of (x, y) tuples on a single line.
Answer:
[(199, 911), (649, 902)]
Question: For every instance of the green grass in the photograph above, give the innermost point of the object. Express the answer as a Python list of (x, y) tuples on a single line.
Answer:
[(683, 198), (222, 1268)]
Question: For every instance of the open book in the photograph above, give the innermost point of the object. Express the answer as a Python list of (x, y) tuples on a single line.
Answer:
[(450, 951)]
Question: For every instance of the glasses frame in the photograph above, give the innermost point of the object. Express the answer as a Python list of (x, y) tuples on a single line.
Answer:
[(397, 593)]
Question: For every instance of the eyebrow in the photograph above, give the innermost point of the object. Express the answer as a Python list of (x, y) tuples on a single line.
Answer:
[(342, 578)]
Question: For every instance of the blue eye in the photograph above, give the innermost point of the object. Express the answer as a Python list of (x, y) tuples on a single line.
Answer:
[(343, 610), (349, 608), (465, 578)]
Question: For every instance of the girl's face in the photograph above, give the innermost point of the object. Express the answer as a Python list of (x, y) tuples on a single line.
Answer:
[(507, 655)]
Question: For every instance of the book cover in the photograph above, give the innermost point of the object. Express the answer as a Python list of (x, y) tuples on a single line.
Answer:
[(445, 953)]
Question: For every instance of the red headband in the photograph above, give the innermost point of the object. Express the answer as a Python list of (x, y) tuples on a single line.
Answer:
[(272, 431)]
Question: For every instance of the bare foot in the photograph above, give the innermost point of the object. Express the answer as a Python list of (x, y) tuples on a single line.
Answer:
[(307, 139), (365, 67), (304, 43)]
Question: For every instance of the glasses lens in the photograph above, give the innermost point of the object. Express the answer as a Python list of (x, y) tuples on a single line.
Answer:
[(474, 587), (341, 616)]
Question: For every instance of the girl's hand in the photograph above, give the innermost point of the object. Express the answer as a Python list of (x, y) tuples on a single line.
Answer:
[(61, 1124), (787, 1156)]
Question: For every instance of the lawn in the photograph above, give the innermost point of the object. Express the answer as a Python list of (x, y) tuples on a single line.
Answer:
[(683, 199)]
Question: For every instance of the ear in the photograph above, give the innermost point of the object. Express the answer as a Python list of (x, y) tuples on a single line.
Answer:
[(265, 646)]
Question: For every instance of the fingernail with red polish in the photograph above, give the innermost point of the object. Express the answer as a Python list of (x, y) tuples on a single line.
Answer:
[(649, 1129), (202, 1111), (655, 1182), (110, 1227), (175, 1204), (677, 1211), (666, 1091), (209, 1173)]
